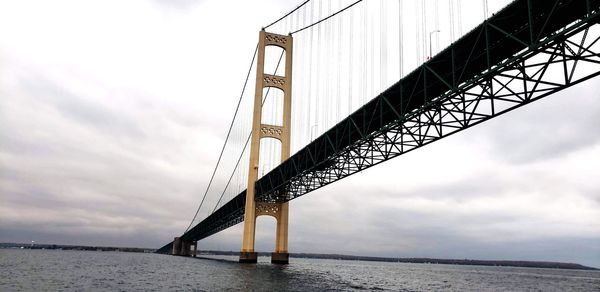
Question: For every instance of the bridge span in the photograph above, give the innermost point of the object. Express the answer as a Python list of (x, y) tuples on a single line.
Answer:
[(524, 52)]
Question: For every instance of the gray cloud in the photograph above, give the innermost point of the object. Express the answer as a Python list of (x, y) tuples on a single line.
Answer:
[(70, 164), (81, 111), (562, 123)]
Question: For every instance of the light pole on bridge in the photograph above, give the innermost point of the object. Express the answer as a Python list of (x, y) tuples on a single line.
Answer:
[(430, 47)]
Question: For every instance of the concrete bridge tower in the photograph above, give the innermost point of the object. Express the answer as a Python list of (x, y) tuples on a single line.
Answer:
[(254, 209)]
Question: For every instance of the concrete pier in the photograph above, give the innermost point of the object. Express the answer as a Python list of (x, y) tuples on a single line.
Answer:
[(176, 246), (281, 258), (248, 257), (183, 247)]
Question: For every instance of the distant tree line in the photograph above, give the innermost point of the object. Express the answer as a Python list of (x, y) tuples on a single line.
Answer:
[(74, 247)]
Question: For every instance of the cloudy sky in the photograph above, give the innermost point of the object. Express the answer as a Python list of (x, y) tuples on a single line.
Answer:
[(112, 114)]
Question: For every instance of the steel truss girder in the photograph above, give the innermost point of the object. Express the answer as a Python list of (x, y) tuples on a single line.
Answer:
[(228, 215), (553, 63)]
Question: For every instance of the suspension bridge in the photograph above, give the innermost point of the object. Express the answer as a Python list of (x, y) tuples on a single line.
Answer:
[(374, 80)]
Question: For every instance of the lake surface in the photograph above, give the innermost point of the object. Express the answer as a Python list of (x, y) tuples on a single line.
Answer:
[(57, 270)]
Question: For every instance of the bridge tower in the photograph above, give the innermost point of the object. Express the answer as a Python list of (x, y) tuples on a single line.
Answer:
[(254, 209)]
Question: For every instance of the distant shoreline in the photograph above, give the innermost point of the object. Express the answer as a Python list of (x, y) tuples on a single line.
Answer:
[(503, 263), (11, 245)]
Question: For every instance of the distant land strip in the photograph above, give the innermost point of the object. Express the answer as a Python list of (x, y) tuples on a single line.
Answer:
[(504, 263), (73, 247)]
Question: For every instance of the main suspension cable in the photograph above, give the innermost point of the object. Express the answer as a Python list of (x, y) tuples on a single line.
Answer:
[(278, 20), (326, 18), (226, 140)]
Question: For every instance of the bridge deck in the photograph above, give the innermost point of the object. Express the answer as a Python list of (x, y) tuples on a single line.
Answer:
[(374, 133)]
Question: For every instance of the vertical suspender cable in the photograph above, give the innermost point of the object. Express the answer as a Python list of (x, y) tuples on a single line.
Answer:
[(424, 26), (382, 45), (339, 70), (350, 63), (310, 75), (485, 9), (451, 11), (327, 63), (436, 19), (459, 17), (319, 80), (364, 60), (418, 30), (400, 41), (372, 56)]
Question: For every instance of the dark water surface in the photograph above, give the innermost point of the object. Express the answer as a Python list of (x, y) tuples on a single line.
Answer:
[(57, 270)]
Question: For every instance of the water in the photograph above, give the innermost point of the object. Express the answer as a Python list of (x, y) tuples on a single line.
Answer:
[(56, 270)]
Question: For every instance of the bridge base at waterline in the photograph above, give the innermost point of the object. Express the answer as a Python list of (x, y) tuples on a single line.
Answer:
[(183, 247), (248, 257), (281, 258)]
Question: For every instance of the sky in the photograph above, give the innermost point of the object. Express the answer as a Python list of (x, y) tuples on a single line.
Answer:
[(112, 114)]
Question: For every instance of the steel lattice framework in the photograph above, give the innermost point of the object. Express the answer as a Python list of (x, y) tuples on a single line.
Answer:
[(487, 73), (528, 50)]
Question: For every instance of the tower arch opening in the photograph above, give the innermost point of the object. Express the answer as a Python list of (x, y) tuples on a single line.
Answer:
[(269, 156), (272, 108), (274, 55)]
